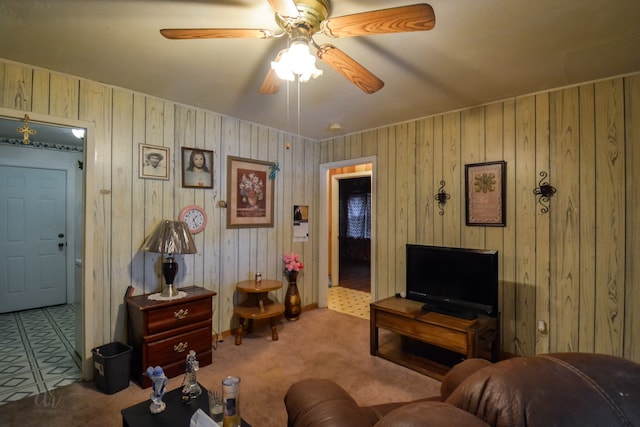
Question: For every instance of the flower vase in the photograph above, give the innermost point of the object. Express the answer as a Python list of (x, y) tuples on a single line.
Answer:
[(292, 300)]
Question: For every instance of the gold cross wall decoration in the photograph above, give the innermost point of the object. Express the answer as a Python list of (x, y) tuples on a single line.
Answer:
[(26, 130)]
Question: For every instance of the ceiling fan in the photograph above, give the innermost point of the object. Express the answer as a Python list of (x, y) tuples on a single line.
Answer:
[(301, 19)]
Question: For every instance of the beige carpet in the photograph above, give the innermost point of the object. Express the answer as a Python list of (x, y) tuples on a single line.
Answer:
[(323, 343)]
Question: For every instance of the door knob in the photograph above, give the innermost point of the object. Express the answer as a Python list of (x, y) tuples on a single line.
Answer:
[(60, 245), (61, 235)]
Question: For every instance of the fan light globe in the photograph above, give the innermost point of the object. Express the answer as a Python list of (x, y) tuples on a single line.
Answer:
[(297, 60)]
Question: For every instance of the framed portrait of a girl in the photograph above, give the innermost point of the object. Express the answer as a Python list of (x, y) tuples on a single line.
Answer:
[(197, 168)]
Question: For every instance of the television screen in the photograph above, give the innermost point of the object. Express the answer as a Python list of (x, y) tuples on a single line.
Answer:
[(453, 280)]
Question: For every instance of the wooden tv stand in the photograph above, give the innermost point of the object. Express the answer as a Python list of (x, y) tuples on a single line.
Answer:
[(407, 321)]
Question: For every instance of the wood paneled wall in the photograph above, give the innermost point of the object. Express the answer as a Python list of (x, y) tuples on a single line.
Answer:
[(575, 267), (572, 267), (123, 209)]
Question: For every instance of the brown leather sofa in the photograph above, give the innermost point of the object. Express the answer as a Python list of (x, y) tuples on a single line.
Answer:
[(561, 389)]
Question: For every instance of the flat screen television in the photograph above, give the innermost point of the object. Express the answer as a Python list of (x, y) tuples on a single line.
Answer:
[(457, 281)]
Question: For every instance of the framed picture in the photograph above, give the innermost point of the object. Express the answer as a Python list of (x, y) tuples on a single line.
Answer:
[(249, 193), (154, 162), (485, 191), (197, 168)]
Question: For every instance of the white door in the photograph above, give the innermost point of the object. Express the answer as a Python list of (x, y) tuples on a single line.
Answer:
[(32, 238)]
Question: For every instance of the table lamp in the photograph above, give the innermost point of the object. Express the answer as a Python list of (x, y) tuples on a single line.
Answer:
[(168, 238)]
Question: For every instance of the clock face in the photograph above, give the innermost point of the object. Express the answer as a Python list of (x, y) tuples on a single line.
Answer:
[(195, 217)]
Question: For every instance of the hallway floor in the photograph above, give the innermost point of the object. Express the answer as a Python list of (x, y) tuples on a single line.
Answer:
[(349, 301), (352, 294), (37, 351)]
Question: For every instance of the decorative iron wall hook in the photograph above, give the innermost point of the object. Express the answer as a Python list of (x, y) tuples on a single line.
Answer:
[(545, 191), (442, 197)]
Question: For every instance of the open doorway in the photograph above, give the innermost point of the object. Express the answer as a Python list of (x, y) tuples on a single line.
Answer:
[(347, 261), (42, 194), (354, 233)]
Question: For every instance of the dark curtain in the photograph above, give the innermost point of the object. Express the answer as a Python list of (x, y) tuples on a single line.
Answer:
[(355, 208)]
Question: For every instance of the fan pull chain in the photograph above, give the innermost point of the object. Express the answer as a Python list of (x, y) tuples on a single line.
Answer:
[(298, 133)]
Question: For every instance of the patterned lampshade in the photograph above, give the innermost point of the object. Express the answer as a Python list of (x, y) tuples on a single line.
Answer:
[(170, 237)]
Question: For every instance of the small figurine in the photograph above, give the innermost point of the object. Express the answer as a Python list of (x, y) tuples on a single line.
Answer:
[(159, 380), (191, 389)]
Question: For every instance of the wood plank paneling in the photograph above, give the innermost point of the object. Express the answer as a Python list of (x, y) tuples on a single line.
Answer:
[(610, 216), (16, 86), (542, 226), (472, 149), (587, 137), (451, 227), (508, 307), (123, 208), (63, 98), (384, 226), (564, 213), (525, 284), (147, 279), (632, 225), (95, 105), (426, 186), (125, 172), (554, 265), (438, 173), (404, 173), (587, 195), (41, 90), (494, 140)]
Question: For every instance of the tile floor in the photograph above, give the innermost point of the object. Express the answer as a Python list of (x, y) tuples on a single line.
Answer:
[(37, 351), (349, 301)]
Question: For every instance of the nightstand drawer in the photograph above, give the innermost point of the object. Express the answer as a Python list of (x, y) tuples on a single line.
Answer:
[(177, 347), (168, 318)]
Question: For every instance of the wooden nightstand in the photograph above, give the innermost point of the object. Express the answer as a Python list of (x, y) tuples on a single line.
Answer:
[(162, 332)]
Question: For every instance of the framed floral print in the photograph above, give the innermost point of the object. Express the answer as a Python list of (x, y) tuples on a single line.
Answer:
[(249, 193), (485, 190)]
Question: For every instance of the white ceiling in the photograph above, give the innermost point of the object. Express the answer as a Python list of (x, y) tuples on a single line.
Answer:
[(479, 51)]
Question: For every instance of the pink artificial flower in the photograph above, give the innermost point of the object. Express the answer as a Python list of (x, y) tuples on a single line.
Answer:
[(292, 262)]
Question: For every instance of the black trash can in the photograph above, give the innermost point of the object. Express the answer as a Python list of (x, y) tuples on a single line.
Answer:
[(111, 367)]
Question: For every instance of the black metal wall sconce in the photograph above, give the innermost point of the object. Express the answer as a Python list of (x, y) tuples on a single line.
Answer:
[(442, 197), (545, 191)]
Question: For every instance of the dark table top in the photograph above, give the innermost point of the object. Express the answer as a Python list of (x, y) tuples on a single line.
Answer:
[(176, 414)]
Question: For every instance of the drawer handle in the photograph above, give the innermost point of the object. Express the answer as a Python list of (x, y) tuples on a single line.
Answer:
[(181, 348), (181, 314)]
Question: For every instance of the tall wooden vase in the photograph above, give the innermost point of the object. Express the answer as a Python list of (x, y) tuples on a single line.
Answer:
[(292, 300)]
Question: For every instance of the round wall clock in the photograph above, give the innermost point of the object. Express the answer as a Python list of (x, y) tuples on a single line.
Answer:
[(195, 217)]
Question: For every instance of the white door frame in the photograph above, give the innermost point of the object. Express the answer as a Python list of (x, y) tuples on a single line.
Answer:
[(323, 259), (88, 228)]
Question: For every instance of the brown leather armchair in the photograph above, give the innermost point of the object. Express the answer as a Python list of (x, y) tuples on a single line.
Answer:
[(561, 389)]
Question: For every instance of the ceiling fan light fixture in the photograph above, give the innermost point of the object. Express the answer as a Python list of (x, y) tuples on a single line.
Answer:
[(296, 61), (282, 68)]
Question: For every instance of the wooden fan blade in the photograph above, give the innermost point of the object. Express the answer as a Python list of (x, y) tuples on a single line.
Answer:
[(215, 33), (349, 68), (270, 84), (417, 17), (285, 8)]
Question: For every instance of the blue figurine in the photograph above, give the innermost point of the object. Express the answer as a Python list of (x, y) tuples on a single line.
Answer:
[(159, 380)]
